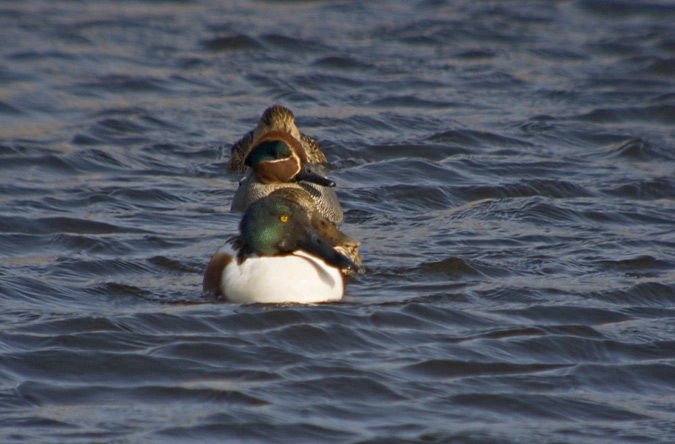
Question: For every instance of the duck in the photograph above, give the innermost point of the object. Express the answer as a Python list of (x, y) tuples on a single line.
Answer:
[(274, 118), (282, 161), (277, 160), (278, 257)]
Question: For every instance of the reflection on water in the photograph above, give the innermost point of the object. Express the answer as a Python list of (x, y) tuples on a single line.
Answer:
[(509, 170)]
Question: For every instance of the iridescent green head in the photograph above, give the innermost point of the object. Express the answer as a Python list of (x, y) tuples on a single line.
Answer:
[(275, 226)]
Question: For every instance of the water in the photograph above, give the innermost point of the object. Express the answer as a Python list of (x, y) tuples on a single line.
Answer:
[(509, 167)]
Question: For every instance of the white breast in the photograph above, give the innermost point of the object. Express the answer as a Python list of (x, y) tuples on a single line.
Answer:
[(299, 278)]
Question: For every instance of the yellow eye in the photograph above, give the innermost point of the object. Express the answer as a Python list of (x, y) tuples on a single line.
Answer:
[(283, 218)]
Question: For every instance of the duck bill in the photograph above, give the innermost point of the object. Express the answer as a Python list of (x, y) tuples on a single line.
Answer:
[(315, 245), (307, 175)]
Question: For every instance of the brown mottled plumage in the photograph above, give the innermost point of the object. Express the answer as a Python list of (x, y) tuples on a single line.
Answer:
[(268, 176), (275, 118)]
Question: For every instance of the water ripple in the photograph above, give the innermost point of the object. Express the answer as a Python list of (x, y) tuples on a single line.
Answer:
[(507, 168)]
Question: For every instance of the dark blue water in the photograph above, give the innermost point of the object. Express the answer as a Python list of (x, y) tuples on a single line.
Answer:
[(508, 166)]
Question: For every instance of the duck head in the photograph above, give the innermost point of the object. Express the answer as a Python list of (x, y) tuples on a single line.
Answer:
[(278, 157), (275, 226)]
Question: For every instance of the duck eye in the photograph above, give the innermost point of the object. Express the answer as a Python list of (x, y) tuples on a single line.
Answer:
[(283, 218)]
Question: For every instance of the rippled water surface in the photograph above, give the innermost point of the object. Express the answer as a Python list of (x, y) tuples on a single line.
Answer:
[(508, 166)]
